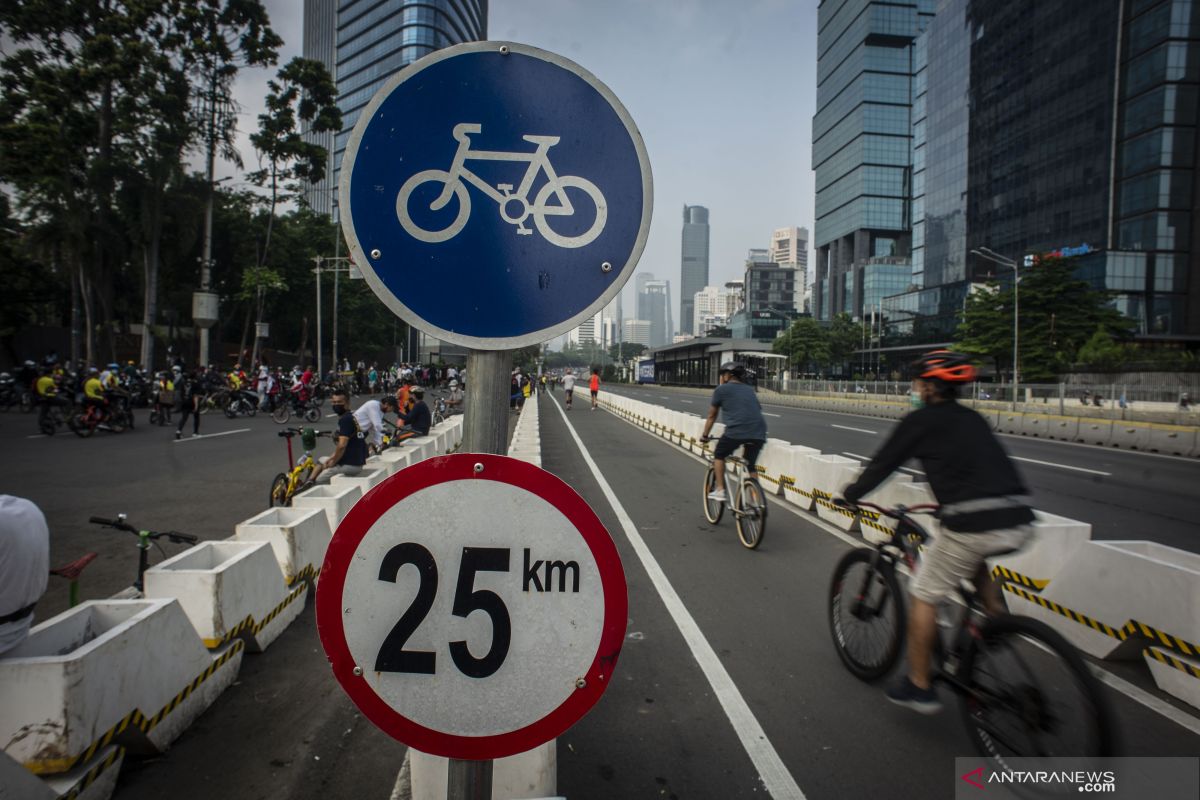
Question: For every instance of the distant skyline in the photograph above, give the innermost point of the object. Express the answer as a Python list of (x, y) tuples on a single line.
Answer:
[(723, 95)]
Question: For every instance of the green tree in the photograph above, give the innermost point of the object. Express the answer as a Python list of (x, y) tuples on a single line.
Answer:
[(805, 343), (302, 92), (1058, 314), (845, 336), (625, 350), (1101, 353)]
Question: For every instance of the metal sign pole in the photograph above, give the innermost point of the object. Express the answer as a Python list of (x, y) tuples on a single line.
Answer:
[(485, 431)]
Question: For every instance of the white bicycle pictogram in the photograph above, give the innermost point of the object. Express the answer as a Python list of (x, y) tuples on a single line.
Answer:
[(454, 185)]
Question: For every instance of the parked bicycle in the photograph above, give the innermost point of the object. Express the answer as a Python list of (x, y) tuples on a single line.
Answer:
[(285, 485), (72, 573), (241, 404), (1024, 690), (145, 538), (749, 501)]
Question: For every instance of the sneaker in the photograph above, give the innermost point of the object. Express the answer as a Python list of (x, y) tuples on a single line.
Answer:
[(717, 495), (923, 701)]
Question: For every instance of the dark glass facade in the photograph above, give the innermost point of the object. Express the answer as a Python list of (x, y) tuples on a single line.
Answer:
[(862, 135), (375, 38)]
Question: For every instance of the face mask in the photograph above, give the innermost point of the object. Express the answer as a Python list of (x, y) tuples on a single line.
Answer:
[(914, 400), (339, 410)]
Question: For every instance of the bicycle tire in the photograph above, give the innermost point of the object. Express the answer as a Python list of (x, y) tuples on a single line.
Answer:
[(281, 414), (713, 509), (312, 414), (116, 423), (886, 588), (48, 427), (424, 234), (26, 402), (1097, 723), (155, 417), (751, 526), (78, 424), (231, 410), (279, 496)]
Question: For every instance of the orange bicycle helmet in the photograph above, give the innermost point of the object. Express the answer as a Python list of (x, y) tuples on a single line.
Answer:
[(944, 366)]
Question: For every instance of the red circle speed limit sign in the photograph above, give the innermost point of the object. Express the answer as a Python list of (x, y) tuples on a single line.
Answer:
[(472, 606)]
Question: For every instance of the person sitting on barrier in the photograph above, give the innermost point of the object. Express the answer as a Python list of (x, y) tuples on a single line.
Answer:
[(977, 486), (369, 417), (745, 426), (350, 453), (24, 567), (418, 419)]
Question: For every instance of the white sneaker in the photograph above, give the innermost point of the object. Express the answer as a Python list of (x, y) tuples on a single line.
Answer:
[(718, 495)]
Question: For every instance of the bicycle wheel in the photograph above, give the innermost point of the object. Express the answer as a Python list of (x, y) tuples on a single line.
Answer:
[(279, 492), (427, 200), (750, 515), (231, 410), (48, 426), (713, 509), (312, 414), (78, 424), (116, 422), (282, 413), (155, 417), (866, 615), (26, 402), (1029, 693)]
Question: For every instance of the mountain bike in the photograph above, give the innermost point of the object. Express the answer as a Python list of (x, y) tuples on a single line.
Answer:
[(285, 485), (242, 403), (92, 417), (289, 403), (72, 572), (514, 206), (749, 501), (1023, 689), (145, 538)]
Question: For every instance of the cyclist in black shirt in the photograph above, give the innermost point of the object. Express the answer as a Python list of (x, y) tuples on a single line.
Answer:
[(418, 419), (351, 444), (981, 512)]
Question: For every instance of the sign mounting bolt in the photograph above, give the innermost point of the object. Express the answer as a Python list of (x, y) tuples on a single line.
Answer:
[(580, 683), (478, 468), (606, 267), (357, 672), (376, 253), (503, 49)]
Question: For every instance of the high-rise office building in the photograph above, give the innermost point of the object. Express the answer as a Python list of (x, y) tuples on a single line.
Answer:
[(789, 249), (861, 147), (693, 270), (1103, 171), (320, 36), (654, 306), (637, 331), (376, 38), (769, 294), (713, 308), (590, 332)]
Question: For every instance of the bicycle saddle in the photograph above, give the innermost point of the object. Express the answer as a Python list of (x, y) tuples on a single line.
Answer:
[(71, 571)]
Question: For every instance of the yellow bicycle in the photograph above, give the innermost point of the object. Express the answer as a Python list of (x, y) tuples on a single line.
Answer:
[(286, 484)]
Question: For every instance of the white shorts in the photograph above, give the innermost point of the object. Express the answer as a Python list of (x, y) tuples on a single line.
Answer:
[(954, 557)]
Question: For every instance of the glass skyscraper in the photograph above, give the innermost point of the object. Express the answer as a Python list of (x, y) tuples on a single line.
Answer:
[(862, 135), (694, 264)]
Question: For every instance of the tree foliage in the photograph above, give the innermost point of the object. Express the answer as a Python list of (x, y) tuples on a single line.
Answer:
[(806, 344), (1058, 314)]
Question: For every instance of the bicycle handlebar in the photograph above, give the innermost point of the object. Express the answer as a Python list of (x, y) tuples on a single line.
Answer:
[(111, 523), (122, 525)]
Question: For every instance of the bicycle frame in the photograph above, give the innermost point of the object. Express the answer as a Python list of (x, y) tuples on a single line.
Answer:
[(736, 471), (538, 161)]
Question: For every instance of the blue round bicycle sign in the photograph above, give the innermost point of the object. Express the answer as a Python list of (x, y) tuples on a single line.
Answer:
[(495, 195)]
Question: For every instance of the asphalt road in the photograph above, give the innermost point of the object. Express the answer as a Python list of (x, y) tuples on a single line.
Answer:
[(1123, 494), (285, 729)]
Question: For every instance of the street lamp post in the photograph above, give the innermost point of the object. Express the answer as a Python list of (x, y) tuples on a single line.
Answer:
[(988, 254)]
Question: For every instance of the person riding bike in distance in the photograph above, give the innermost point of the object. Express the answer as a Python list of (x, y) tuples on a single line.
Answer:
[(977, 487), (745, 426), (93, 392), (350, 452)]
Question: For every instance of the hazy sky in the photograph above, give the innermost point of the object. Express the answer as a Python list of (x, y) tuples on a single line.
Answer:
[(723, 92)]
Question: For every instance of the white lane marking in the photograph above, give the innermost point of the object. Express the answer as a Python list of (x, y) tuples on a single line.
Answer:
[(769, 414), (868, 458), (771, 770), (848, 428), (210, 435), (37, 436), (663, 397), (1135, 693), (689, 402), (327, 416), (1060, 466)]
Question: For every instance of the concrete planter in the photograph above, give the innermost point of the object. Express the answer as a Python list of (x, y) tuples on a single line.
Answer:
[(298, 537), (335, 501)]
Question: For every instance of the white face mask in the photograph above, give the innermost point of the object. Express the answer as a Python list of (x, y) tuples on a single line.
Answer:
[(914, 399)]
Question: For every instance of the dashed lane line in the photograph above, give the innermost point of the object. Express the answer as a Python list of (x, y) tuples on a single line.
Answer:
[(769, 414), (778, 782), (868, 458), (1060, 466), (211, 435), (848, 428)]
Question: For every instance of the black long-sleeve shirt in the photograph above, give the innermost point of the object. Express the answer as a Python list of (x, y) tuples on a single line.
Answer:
[(963, 461), (418, 418)]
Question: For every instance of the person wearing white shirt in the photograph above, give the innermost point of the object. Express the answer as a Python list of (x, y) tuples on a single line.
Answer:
[(24, 567), (369, 417)]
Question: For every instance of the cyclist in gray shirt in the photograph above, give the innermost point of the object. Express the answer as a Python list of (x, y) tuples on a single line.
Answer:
[(745, 426)]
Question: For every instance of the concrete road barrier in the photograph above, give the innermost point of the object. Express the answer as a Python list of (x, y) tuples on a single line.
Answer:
[(830, 474), (298, 537), (1065, 429), (335, 501), (1172, 440), (229, 589), (1176, 674), (1094, 431), (93, 780), (131, 672), (773, 462), (1009, 422), (1130, 437), (796, 489), (365, 481), (1056, 542)]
